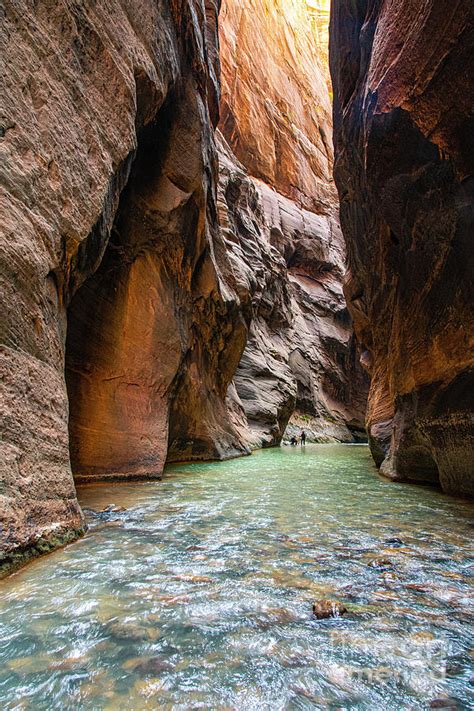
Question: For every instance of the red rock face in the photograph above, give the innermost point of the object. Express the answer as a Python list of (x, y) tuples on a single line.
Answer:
[(275, 108), (403, 98), (108, 272), (287, 269), (146, 332), (129, 308), (281, 227)]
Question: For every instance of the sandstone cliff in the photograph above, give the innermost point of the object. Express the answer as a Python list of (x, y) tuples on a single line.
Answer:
[(275, 108), (404, 126), (108, 201), (155, 308), (286, 265), (281, 226)]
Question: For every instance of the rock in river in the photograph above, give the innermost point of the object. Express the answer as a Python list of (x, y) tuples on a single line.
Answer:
[(323, 609)]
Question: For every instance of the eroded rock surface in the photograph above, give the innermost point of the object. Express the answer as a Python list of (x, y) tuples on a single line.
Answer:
[(128, 308), (278, 207), (108, 195), (275, 108), (404, 126), (286, 265)]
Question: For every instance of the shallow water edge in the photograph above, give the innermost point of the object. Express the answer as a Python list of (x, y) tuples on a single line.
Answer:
[(197, 592)]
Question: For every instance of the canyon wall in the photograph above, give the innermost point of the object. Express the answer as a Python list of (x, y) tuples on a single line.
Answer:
[(110, 290), (403, 75), (279, 212), (275, 106), (160, 304)]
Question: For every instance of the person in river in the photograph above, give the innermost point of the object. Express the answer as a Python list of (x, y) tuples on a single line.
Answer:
[(293, 441), (303, 438)]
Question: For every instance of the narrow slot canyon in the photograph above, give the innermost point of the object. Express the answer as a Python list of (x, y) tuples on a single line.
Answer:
[(237, 354)]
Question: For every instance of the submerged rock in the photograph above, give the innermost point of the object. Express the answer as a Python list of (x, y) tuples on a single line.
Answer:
[(323, 609), (113, 508), (108, 514), (394, 542), (381, 563), (148, 666), (448, 704), (131, 631), (274, 617)]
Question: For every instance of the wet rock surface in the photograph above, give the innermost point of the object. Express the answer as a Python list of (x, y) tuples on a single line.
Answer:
[(445, 703), (161, 303), (324, 609), (403, 97), (283, 244), (108, 273)]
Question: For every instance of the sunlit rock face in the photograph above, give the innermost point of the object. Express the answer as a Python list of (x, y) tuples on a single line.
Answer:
[(403, 98), (281, 228), (275, 108), (319, 12), (128, 308), (108, 276), (286, 267)]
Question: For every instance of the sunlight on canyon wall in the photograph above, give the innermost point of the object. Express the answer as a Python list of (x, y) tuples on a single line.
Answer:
[(131, 312), (276, 107), (279, 210)]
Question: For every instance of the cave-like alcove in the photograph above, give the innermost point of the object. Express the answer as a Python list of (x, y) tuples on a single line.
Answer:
[(118, 320)]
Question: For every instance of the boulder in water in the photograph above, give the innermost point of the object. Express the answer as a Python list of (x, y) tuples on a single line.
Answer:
[(381, 563), (394, 542), (444, 703), (148, 666), (323, 609)]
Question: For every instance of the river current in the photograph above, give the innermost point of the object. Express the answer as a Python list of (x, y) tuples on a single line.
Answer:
[(198, 595)]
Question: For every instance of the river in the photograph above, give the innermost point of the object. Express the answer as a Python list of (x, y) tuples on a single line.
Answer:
[(199, 594)]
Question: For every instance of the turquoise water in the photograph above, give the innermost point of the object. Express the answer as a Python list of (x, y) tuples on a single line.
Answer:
[(199, 595)]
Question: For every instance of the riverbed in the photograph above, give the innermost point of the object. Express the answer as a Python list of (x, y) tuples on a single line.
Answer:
[(197, 592)]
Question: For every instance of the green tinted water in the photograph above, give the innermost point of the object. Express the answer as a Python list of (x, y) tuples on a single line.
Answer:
[(199, 594)]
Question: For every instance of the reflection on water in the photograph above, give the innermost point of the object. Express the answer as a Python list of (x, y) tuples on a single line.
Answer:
[(199, 594)]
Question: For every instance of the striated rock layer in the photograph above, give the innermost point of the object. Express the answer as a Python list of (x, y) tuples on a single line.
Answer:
[(286, 265), (403, 132), (275, 108), (135, 328), (278, 209), (108, 201)]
